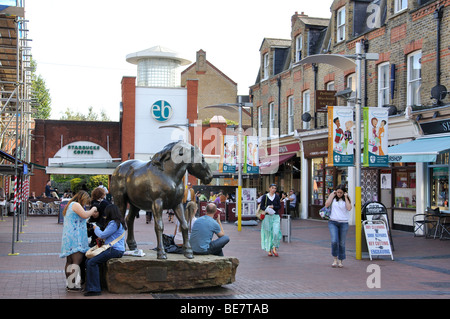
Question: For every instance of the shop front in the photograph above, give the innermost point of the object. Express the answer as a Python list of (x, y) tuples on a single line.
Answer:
[(427, 184)]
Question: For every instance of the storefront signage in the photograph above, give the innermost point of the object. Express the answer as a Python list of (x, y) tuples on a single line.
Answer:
[(377, 239), (323, 99), (317, 148), (83, 149), (161, 111), (435, 127)]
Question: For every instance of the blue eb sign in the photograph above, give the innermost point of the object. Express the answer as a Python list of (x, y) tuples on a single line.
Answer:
[(161, 111)]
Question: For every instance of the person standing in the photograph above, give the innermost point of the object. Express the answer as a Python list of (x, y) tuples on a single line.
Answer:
[(74, 243), (271, 224), (189, 194), (338, 223), (203, 231), (115, 229), (98, 200)]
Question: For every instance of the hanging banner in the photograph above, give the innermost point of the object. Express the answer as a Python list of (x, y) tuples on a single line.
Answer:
[(229, 152), (340, 136), (375, 137), (251, 155)]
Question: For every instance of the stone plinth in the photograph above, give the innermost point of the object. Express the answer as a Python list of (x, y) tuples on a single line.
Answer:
[(149, 274)]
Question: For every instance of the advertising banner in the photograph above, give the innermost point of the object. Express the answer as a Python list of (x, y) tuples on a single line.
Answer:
[(251, 155), (375, 137), (229, 153), (340, 136)]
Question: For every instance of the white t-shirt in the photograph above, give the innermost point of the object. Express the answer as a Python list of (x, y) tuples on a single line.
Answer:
[(339, 212)]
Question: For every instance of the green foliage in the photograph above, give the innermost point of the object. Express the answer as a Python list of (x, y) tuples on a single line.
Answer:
[(41, 94), (94, 181), (69, 115)]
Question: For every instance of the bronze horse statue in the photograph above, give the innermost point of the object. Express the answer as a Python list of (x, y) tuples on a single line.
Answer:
[(157, 185)]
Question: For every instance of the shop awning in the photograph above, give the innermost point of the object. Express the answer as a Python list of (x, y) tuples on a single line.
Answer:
[(270, 164), (424, 149)]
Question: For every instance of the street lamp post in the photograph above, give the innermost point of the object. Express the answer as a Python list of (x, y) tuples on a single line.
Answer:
[(345, 62), (231, 106)]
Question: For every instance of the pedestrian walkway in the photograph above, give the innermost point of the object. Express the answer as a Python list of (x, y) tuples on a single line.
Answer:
[(420, 269)]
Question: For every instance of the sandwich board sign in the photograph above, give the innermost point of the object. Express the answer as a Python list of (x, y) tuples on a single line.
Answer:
[(377, 238)]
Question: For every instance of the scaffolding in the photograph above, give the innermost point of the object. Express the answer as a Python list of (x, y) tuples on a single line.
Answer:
[(15, 111)]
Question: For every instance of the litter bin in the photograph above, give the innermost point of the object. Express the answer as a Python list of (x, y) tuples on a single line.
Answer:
[(286, 227)]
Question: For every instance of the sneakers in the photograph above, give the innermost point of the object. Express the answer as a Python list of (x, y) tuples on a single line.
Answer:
[(337, 263), (92, 293)]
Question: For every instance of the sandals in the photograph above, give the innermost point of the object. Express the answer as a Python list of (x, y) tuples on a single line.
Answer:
[(337, 263), (273, 252)]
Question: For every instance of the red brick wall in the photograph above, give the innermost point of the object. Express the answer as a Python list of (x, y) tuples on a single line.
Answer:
[(51, 135), (128, 117)]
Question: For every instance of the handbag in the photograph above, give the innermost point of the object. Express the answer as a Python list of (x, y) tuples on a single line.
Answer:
[(325, 212), (259, 212), (97, 250)]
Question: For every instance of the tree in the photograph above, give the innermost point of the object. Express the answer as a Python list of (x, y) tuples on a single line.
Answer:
[(41, 94), (91, 116)]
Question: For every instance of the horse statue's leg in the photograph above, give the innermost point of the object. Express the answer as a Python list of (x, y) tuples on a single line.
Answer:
[(132, 213), (187, 250), (159, 227)]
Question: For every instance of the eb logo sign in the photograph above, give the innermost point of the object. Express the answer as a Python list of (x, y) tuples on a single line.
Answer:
[(161, 111)]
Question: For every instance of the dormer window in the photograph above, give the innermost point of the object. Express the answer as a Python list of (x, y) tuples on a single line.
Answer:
[(340, 25), (298, 47), (266, 66)]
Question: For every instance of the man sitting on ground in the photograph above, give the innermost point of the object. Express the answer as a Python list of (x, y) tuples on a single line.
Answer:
[(203, 231)]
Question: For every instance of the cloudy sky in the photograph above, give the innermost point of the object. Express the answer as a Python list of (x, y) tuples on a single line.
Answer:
[(80, 46)]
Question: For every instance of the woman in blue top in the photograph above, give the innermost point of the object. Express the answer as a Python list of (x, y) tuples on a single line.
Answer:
[(74, 243), (115, 227), (270, 226)]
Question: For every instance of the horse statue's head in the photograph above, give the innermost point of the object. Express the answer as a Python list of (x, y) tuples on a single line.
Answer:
[(182, 156)]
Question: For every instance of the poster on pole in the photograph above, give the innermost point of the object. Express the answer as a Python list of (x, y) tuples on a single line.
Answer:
[(229, 152), (340, 136), (375, 137), (251, 155)]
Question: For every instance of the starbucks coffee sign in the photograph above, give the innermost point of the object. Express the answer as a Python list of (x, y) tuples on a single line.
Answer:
[(80, 152), (83, 149)]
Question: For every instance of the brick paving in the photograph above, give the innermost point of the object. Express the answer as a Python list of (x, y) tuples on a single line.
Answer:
[(420, 269)]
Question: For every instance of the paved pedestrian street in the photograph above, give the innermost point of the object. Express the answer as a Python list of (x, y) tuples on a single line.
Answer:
[(420, 269)]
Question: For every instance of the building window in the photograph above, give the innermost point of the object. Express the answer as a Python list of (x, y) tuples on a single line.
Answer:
[(272, 119), (400, 5), (414, 79), (290, 114), (266, 66), (340, 23), (383, 84), (260, 121), (306, 108), (351, 84), (330, 86), (298, 47)]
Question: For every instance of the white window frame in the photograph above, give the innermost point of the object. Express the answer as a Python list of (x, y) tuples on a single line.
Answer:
[(384, 82), (260, 124), (413, 82), (266, 66), (351, 83), (290, 114), (306, 107), (330, 86), (298, 47), (340, 25), (400, 5), (272, 119)]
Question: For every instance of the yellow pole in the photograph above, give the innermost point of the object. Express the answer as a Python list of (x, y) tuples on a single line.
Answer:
[(358, 222), (238, 201)]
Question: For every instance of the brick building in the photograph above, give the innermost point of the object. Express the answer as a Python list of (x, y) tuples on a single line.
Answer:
[(411, 40)]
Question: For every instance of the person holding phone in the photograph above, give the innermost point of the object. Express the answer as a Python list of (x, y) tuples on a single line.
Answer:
[(271, 224), (203, 231), (338, 223)]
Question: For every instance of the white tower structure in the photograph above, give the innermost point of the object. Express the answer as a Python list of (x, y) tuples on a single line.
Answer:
[(157, 67)]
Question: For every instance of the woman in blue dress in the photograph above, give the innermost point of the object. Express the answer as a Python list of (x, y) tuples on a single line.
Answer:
[(74, 242)]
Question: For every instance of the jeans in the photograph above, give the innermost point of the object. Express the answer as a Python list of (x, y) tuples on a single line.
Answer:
[(338, 233), (92, 268), (215, 247)]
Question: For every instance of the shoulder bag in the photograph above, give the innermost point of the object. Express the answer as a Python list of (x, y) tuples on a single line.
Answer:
[(325, 212), (97, 250), (259, 212)]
